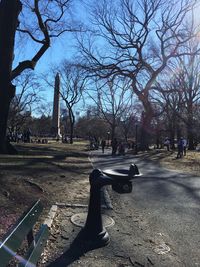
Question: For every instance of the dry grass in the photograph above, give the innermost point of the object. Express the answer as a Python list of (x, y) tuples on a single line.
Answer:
[(189, 163), (52, 172)]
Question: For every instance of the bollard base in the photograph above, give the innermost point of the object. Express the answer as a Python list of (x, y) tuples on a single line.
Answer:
[(93, 240)]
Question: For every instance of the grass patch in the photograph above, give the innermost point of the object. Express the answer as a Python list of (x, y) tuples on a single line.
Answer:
[(189, 163)]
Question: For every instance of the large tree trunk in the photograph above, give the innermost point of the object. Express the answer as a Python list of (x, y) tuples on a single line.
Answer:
[(146, 119), (113, 130), (172, 137), (145, 131), (5, 98), (71, 133), (190, 127), (190, 136), (9, 11), (172, 125)]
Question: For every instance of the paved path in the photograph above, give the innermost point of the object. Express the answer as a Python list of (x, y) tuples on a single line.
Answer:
[(168, 202)]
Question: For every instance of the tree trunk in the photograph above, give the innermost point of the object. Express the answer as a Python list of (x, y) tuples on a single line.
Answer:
[(190, 137), (71, 132), (144, 135), (5, 99), (9, 11), (72, 121), (172, 131), (113, 127), (145, 130), (146, 119), (190, 126)]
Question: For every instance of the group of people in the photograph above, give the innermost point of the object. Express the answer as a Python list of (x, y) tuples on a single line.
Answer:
[(181, 146), (117, 146), (17, 137)]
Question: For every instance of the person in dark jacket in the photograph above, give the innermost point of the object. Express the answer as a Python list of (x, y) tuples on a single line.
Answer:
[(180, 148), (103, 144)]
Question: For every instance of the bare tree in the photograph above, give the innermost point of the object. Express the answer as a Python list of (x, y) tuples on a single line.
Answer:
[(167, 103), (137, 41), (45, 109), (112, 99), (72, 86), (24, 102), (130, 120), (40, 21), (92, 126), (183, 98), (189, 84)]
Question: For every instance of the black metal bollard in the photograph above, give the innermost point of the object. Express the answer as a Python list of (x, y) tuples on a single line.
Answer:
[(93, 232)]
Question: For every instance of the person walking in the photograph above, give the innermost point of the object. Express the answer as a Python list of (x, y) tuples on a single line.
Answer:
[(184, 146), (114, 144), (180, 148), (103, 144), (167, 143)]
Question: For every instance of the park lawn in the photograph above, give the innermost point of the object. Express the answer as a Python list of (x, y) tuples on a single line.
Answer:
[(53, 172), (189, 163)]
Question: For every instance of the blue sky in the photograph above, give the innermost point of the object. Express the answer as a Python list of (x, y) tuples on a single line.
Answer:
[(61, 48)]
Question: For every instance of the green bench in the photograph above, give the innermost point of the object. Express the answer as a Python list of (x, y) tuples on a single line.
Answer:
[(23, 229)]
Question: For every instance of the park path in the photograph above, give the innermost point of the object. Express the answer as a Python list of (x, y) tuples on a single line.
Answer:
[(168, 203), (155, 225)]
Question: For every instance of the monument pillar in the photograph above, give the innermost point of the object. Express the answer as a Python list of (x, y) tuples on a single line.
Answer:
[(56, 108)]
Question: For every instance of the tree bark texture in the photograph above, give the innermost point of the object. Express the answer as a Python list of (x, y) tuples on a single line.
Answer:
[(190, 126), (147, 116), (190, 133), (145, 131), (72, 121), (9, 11)]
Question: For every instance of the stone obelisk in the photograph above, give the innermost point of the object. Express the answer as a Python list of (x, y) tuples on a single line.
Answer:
[(56, 108)]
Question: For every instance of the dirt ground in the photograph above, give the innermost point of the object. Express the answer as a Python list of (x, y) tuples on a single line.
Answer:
[(52, 172), (58, 173)]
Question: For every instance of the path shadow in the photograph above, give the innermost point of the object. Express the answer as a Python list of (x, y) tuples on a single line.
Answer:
[(77, 249)]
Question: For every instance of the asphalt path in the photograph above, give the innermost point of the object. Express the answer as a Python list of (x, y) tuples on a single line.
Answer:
[(169, 201)]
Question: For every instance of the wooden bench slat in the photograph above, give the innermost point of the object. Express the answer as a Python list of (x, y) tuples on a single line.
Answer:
[(13, 239), (35, 250)]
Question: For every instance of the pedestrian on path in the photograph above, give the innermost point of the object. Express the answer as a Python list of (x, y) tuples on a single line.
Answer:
[(114, 144), (167, 143), (184, 146), (103, 144), (180, 148)]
